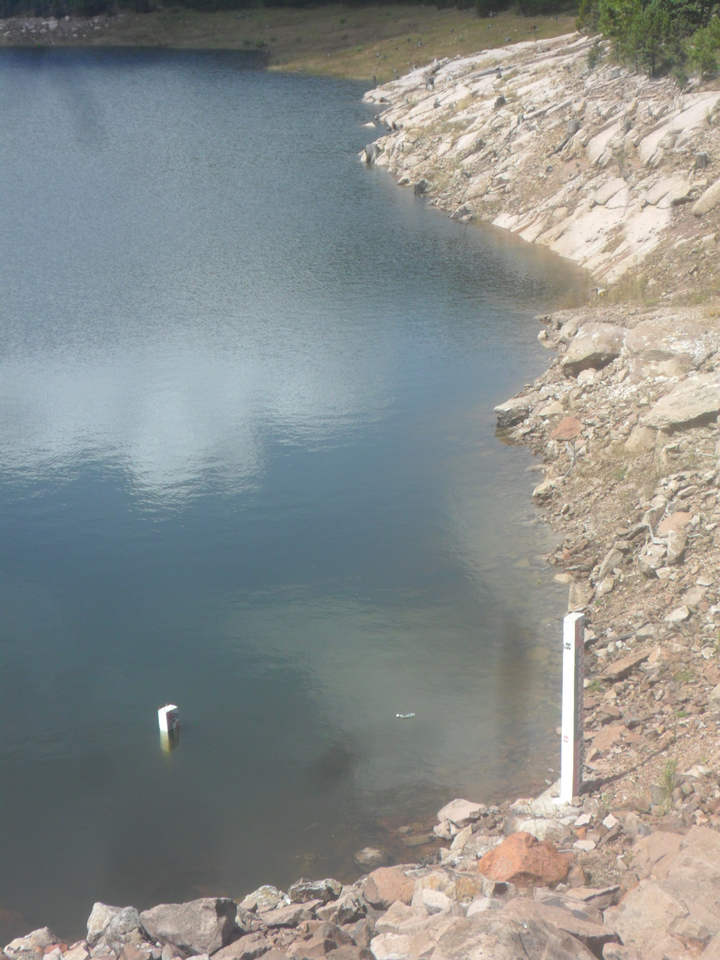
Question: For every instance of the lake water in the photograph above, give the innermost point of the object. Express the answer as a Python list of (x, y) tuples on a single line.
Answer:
[(249, 466)]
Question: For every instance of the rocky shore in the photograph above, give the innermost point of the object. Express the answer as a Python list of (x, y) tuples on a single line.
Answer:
[(554, 142), (507, 887)]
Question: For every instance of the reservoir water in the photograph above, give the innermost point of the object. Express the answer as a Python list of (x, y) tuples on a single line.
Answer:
[(248, 465)]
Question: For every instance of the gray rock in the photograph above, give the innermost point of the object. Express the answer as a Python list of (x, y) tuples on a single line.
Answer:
[(590, 932), (462, 812), (652, 556), (483, 904), (662, 339), (249, 947), (201, 926), (290, 915), (680, 904), (695, 400), (370, 857), (346, 909), (324, 890), (99, 919), (708, 201), (612, 559), (32, 945), (579, 596), (266, 897), (494, 935), (511, 412), (595, 345), (676, 546), (124, 922), (372, 152)]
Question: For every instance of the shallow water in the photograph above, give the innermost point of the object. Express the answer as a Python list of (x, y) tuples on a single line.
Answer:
[(249, 466)]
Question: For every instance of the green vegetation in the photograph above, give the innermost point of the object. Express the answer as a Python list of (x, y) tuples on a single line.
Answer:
[(658, 36), (668, 783), (683, 676)]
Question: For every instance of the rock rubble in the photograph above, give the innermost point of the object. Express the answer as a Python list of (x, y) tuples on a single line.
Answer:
[(496, 891)]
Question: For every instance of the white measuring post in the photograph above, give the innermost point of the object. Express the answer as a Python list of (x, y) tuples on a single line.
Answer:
[(572, 749), (168, 719)]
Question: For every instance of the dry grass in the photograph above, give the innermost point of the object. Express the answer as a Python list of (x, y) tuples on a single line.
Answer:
[(351, 42)]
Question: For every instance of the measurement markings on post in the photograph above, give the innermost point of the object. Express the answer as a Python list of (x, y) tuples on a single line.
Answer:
[(572, 745)]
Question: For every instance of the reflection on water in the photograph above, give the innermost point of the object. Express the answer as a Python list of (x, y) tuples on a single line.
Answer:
[(248, 466)]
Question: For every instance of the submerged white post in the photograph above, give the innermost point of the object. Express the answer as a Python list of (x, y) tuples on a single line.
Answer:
[(572, 749), (168, 719)]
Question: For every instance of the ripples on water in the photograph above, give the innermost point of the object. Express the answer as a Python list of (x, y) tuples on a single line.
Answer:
[(248, 465)]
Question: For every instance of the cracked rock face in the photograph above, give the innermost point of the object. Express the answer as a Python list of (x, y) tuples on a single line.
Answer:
[(606, 167)]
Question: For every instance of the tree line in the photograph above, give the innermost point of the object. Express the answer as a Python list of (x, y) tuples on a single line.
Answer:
[(658, 36)]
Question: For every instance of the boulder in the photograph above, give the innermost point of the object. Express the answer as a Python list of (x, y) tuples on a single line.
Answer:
[(708, 200), (31, 946), (595, 345), (494, 936), (394, 917), (112, 923), (266, 897), (392, 946), (346, 909), (291, 914), (370, 857), (664, 339), (201, 926), (462, 812), (325, 890), (100, 916), (386, 885), (249, 947), (592, 933), (511, 412), (524, 860), (678, 902), (693, 401)]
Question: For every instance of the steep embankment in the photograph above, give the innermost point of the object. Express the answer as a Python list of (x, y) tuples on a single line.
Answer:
[(609, 168)]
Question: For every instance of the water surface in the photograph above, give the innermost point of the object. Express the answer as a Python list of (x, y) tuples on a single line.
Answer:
[(248, 465)]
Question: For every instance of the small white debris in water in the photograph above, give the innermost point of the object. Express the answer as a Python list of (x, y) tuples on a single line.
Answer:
[(404, 716)]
